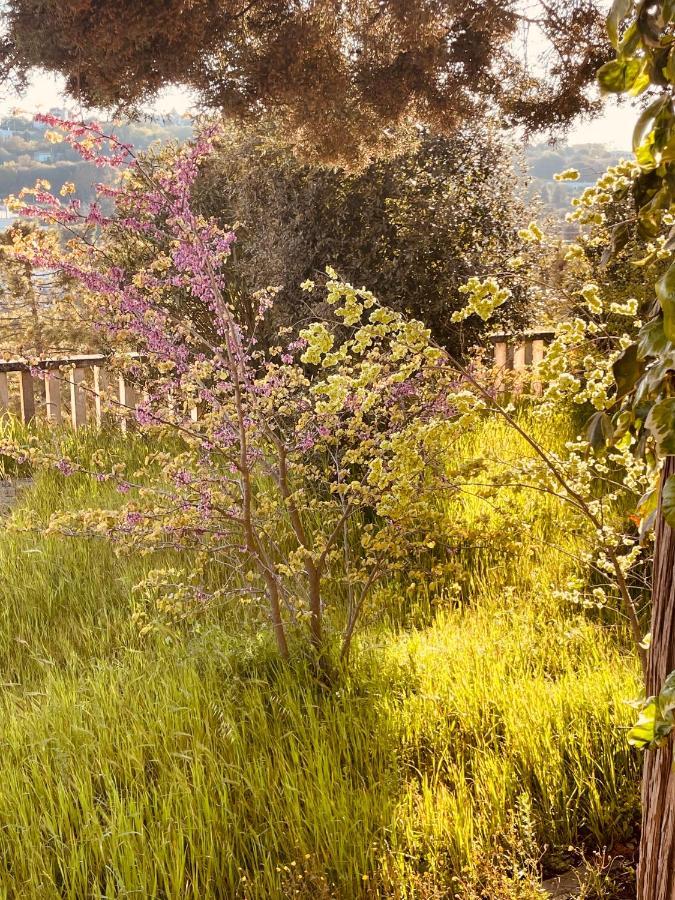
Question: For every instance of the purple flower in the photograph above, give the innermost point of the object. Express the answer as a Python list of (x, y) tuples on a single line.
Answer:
[(65, 467), (144, 416)]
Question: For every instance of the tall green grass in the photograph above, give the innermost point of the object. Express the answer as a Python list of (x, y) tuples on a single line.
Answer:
[(468, 737)]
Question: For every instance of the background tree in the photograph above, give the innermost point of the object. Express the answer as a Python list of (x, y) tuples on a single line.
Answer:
[(338, 72), (413, 228)]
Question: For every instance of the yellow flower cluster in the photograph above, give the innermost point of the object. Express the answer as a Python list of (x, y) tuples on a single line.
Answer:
[(591, 294), (483, 298), (532, 234)]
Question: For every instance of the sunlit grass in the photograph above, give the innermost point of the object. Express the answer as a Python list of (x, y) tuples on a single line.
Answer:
[(467, 734)]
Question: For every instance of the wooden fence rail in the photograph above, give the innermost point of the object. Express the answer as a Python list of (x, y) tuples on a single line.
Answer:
[(74, 387), (80, 387)]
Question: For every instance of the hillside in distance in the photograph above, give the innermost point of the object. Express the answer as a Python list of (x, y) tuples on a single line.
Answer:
[(26, 154), (543, 161)]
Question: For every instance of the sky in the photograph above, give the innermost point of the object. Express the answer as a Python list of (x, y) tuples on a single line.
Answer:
[(45, 92), (613, 128)]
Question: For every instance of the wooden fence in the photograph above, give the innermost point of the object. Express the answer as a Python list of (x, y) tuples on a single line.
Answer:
[(58, 389), (75, 387), (514, 353)]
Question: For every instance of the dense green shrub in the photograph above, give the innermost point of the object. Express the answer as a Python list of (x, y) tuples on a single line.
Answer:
[(412, 228)]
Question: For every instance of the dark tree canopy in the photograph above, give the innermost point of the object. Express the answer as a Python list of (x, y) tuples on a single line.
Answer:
[(339, 71), (413, 228)]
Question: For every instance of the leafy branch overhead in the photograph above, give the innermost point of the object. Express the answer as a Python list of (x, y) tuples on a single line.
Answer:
[(340, 73), (643, 37)]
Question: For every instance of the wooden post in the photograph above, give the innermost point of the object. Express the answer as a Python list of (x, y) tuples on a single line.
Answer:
[(127, 401), (500, 361), (519, 366), (78, 401), (101, 383), (538, 349), (53, 396), (656, 873), (27, 397), (519, 357), (500, 354), (4, 393)]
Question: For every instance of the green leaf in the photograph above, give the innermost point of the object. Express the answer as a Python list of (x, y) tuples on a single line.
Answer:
[(651, 340), (599, 430), (640, 84), (627, 369), (643, 733), (670, 240), (646, 527), (661, 424), (647, 116), (655, 721), (668, 507), (669, 68), (619, 238), (667, 695), (619, 75), (647, 502), (658, 372), (644, 155), (630, 40), (665, 292), (668, 10), (618, 12)]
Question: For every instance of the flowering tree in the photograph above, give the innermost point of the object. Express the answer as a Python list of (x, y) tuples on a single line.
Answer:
[(295, 468), (39, 315)]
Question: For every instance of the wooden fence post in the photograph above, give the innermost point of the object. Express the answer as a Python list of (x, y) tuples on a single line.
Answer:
[(538, 350), (519, 357), (27, 397), (500, 354), (101, 384), (53, 396), (4, 393), (78, 400), (127, 401)]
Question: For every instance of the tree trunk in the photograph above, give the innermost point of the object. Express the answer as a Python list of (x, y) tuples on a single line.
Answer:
[(656, 870)]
